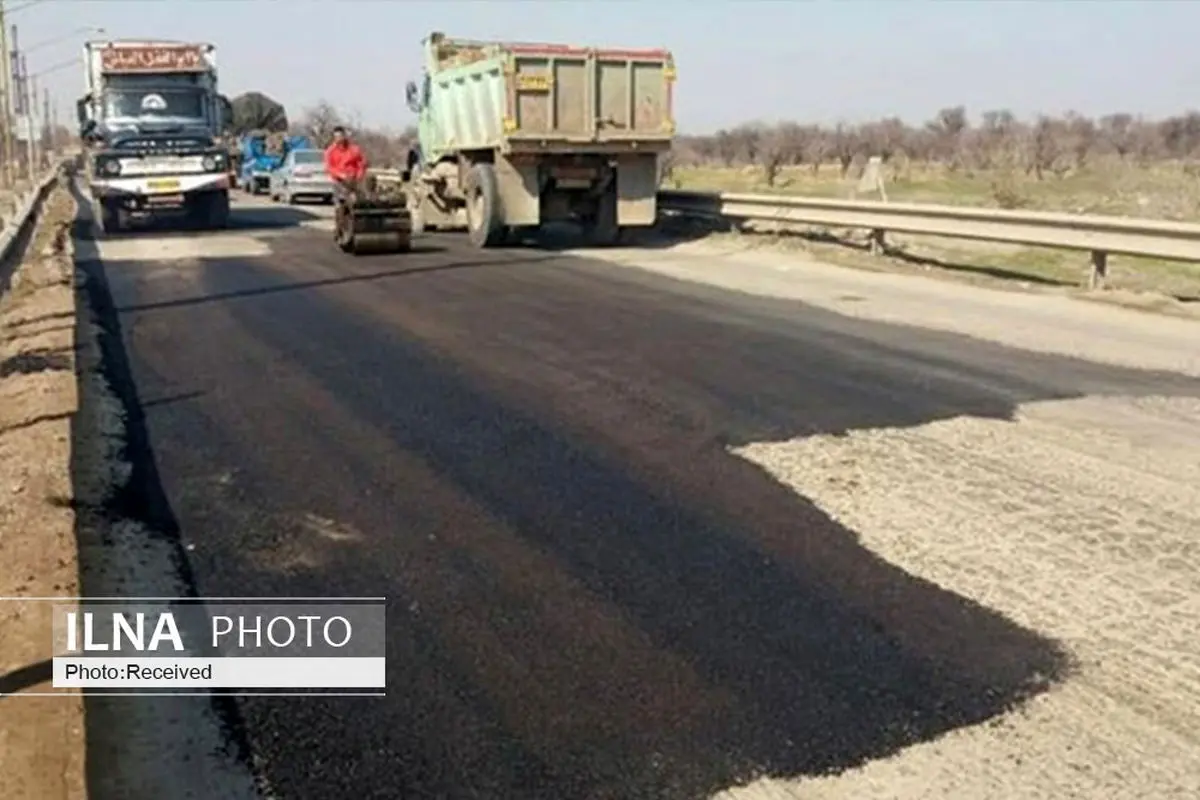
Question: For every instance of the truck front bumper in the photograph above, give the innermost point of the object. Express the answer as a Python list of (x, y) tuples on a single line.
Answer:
[(157, 190)]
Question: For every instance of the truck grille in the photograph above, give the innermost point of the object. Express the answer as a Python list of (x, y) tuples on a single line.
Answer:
[(156, 145)]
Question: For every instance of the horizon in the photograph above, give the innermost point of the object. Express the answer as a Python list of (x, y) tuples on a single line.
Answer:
[(891, 57)]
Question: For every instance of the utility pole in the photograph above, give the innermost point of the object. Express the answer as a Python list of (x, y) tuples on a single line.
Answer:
[(35, 131), (46, 132), (6, 96), (16, 84), (27, 114), (16, 90)]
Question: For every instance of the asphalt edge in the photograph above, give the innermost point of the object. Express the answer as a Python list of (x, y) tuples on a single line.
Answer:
[(135, 500)]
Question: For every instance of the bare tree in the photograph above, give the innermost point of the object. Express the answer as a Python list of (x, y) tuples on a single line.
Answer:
[(318, 122), (1117, 132), (948, 129), (999, 143)]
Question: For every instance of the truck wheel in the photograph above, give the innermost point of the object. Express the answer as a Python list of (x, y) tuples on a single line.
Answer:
[(217, 206), (602, 230), (110, 218), (209, 211), (484, 225)]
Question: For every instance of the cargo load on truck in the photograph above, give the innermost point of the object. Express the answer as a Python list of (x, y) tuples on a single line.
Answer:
[(151, 119), (513, 136), (261, 154)]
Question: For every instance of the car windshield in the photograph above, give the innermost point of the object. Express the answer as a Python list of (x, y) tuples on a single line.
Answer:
[(154, 103), (309, 157)]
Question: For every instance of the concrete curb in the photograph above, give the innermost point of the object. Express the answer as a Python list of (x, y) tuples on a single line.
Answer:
[(26, 214)]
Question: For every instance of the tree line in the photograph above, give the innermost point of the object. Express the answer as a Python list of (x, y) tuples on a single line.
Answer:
[(1041, 147), (254, 112)]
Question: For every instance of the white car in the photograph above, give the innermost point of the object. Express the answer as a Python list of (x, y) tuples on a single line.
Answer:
[(302, 175)]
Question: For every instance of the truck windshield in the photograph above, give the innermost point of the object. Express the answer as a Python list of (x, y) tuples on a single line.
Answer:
[(309, 156), (154, 103)]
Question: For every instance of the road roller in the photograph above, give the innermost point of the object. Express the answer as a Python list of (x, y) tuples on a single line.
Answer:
[(371, 219)]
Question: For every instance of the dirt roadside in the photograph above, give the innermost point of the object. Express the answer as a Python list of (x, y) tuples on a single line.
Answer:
[(1165, 288), (1076, 518), (63, 433), (41, 738)]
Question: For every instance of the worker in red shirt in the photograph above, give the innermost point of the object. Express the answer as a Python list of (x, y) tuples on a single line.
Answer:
[(345, 164), (343, 159)]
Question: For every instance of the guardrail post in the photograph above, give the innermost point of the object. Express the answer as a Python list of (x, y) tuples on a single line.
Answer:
[(877, 242), (1099, 270)]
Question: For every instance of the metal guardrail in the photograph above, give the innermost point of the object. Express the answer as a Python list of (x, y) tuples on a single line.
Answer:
[(1100, 236), (1097, 235)]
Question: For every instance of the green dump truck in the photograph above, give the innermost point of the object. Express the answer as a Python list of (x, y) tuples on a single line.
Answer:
[(513, 136)]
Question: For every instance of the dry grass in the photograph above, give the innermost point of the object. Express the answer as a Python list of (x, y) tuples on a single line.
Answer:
[(1169, 190)]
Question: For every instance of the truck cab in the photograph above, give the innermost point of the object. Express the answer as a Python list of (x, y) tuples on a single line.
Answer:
[(152, 116)]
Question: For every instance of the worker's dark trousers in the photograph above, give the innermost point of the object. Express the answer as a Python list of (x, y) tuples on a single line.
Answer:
[(341, 193)]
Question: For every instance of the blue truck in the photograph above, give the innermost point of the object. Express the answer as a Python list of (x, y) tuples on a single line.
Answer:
[(257, 162)]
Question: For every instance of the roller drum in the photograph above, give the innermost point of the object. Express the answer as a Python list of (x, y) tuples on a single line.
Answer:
[(379, 242)]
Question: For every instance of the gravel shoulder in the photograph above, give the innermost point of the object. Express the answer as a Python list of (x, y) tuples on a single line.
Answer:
[(41, 738), (1076, 518), (1038, 322)]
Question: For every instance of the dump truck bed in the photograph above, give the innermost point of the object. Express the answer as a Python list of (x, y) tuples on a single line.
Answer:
[(547, 97)]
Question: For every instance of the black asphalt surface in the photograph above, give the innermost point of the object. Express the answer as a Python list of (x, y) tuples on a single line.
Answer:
[(526, 453)]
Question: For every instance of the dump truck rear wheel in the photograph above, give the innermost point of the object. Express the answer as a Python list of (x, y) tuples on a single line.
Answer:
[(603, 230), (484, 228)]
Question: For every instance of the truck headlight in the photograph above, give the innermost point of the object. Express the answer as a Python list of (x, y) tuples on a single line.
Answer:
[(112, 167), (210, 163)]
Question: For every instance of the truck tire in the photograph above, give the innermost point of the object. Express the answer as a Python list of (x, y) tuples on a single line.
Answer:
[(218, 210), (603, 230), (484, 225), (110, 218), (209, 211)]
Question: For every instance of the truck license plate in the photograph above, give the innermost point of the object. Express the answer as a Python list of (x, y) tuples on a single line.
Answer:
[(163, 186)]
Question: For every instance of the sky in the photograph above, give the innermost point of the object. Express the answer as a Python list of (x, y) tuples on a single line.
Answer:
[(737, 60)]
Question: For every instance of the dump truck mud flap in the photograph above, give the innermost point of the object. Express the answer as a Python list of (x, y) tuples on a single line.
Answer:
[(637, 189)]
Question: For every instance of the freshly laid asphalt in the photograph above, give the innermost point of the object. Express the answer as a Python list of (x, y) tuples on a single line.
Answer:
[(525, 452)]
